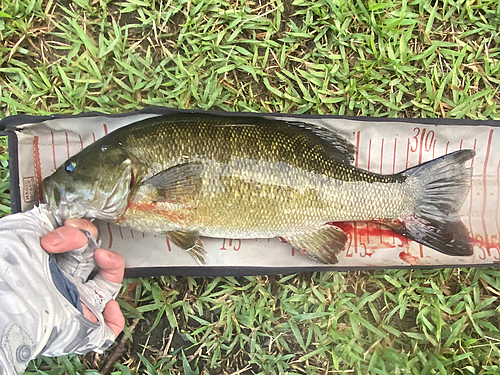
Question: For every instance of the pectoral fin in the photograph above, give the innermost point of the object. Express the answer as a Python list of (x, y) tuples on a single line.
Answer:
[(189, 241), (323, 244), (179, 184)]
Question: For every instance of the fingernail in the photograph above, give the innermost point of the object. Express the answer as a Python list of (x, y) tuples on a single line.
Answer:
[(54, 238), (82, 224), (75, 223)]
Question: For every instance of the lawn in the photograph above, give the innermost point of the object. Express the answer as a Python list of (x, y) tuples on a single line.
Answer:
[(418, 58)]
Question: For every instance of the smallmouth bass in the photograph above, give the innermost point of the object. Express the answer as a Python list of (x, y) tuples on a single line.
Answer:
[(192, 175)]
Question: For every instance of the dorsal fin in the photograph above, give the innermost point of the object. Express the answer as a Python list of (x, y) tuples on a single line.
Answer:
[(336, 146)]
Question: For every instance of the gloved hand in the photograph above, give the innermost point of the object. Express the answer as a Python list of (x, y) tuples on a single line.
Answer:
[(47, 306)]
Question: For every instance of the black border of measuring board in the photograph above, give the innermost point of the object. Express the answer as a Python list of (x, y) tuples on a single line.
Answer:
[(215, 271), (8, 126)]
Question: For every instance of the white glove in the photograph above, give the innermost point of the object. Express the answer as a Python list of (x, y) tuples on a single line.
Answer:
[(35, 318)]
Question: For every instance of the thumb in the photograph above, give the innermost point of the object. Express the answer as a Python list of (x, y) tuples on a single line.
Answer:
[(63, 239)]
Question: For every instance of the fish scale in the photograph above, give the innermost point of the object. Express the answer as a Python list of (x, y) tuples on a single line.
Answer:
[(240, 198), (188, 175)]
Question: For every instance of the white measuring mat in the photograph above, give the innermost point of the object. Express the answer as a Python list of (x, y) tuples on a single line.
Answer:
[(383, 147)]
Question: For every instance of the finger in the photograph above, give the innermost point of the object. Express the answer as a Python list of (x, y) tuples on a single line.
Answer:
[(63, 239), (113, 317), (82, 224), (111, 264)]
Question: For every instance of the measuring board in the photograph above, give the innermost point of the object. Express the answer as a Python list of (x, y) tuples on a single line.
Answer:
[(383, 146)]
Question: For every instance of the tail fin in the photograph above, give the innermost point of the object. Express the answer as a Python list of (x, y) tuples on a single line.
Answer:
[(444, 185)]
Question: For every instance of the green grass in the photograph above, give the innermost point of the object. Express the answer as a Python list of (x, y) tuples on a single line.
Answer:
[(412, 58), (4, 178), (418, 58)]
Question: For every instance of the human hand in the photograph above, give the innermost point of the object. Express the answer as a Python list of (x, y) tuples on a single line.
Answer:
[(111, 264), (43, 278)]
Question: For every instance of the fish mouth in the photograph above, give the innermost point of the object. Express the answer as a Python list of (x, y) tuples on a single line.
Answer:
[(90, 203), (51, 193), (57, 202)]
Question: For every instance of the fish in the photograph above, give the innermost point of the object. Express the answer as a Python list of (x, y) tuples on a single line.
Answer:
[(192, 175)]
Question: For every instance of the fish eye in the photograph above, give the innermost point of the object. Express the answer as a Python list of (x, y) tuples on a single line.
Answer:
[(70, 166)]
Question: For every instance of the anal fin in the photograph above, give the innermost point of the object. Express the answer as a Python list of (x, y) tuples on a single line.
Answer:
[(189, 241), (323, 244)]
